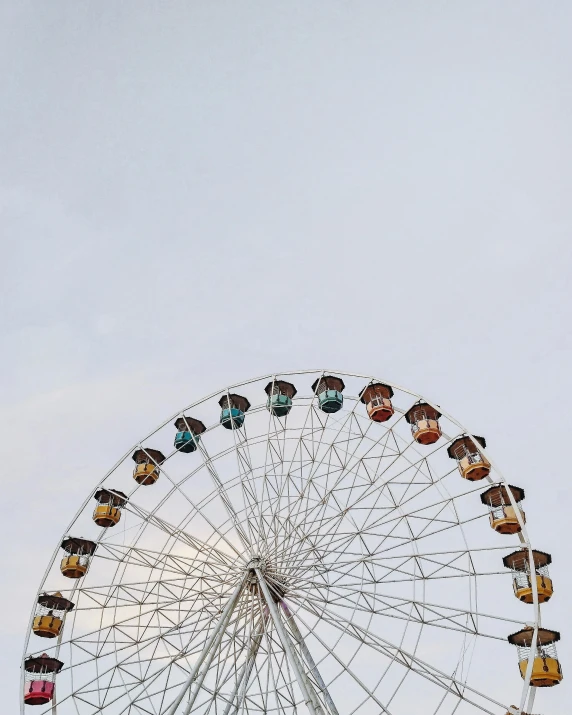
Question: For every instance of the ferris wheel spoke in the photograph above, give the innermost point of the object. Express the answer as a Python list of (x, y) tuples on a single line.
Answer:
[(310, 697), (388, 518), (178, 488), (396, 653), (345, 667), (339, 516), (409, 609), (202, 550), (252, 502), (154, 677), (307, 430), (435, 508), (310, 483), (342, 560), (171, 563), (178, 655), (155, 594), (346, 469), (225, 498)]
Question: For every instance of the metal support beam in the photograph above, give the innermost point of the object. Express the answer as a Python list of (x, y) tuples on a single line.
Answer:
[(207, 653), (287, 645), (308, 656)]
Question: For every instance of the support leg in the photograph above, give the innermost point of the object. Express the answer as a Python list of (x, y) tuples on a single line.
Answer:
[(207, 652), (308, 656), (305, 687)]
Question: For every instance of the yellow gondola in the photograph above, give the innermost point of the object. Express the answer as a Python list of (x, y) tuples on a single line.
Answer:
[(108, 510), (80, 551), (519, 563), (49, 617), (147, 463), (546, 670)]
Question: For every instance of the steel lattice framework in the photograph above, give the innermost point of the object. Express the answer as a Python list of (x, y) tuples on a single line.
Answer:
[(308, 563)]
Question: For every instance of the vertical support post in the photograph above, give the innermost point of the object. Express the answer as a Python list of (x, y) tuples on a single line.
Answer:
[(286, 644), (531, 699), (210, 647), (308, 656)]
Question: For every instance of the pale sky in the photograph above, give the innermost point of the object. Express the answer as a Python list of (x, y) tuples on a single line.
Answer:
[(195, 193)]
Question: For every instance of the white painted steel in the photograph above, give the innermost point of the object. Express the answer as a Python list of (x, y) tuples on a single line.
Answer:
[(293, 492)]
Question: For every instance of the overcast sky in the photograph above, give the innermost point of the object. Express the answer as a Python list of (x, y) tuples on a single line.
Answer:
[(192, 193)]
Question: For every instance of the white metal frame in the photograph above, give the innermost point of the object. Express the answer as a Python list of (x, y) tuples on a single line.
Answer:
[(228, 568)]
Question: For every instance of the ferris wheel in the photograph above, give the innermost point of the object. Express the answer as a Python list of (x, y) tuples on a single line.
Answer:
[(307, 542)]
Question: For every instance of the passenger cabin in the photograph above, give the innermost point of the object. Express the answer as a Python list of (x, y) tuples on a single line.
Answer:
[(40, 678), (503, 516), (546, 670), (50, 612), (147, 463), (280, 395), (109, 504), (329, 392), (233, 411), (471, 463), (79, 551), (424, 421), (188, 433), (519, 563), (377, 400)]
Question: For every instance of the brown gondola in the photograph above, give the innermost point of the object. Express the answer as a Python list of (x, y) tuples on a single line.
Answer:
[(502, 514), (424, 421), (472, 464), (377, 400)]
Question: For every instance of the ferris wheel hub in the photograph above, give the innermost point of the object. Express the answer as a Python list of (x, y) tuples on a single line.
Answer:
[(275, 581)]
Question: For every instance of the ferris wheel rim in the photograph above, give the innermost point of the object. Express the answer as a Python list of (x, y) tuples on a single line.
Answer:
[(500, 478)]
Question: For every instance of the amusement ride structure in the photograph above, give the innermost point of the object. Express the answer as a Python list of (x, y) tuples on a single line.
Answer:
[(311, 542)]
